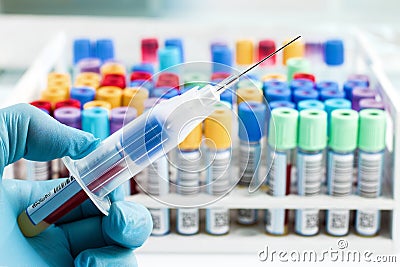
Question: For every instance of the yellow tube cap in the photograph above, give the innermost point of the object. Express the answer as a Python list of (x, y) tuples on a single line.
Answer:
[(135, 97), (97, 103), (112, 68), (58, 76), (28, 228), (296, 49), (244, 52), (92, 76), (274, 76), (110, 94), (193, 140), (54, 95), (60, 84), (87, 83), (218, 128), (247, 94)]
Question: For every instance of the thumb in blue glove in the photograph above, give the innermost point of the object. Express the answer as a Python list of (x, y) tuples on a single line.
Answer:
[(84, 236)]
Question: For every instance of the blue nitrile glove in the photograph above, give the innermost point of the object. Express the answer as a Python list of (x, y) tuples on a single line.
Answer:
[(83, 237)]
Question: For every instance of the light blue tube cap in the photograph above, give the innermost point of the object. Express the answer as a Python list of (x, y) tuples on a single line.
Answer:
[(336, 103), (95, 121), (178, 44), (310, 104), (168, 57)]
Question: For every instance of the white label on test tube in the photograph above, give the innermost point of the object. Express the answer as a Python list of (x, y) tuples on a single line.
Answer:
[(160, 221), (187, 221), (218, 180), (158, 184), (249, 158), (188, 179), (217, 221), (370, 169), (340, 178), (309, 171), (276, 182), (368, 222)]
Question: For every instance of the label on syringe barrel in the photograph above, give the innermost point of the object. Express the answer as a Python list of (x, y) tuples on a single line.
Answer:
[(309, 173), (187, 221), (53, 200), (217, 221), (249, 160), (368, 222), (340, 173), (370, 171), (160, 221), (337, 222), (307, 222)]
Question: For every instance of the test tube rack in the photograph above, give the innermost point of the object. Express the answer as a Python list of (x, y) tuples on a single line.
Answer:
[(250, 240)]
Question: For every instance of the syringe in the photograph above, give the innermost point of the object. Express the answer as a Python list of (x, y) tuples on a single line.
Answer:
[(125, 153)]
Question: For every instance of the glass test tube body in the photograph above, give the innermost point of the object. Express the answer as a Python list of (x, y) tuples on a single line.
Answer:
[(309, 173), (188, 180), (370, 174), (339, 182), (249, 161), (278, 184), (218, 183)]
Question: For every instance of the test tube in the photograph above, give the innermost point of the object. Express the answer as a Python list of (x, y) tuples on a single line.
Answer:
[(251, 116), (149, 47), (371, 145), (360, 93), (168, 57), (296, 65), (117, 80), (331, 85), (349, 85), (244, 53), (273, 94), (97, 103), (312, 139), (333, 53), (68, 103), (266, 47), (340, 166), (282, 139), (70, 116), (112, 68), (249, 94), (83, 94), (81, 49), (135, 97), (295, 50), (95, 121), (110, 94), (217, 131), (178, 44), (188, 181), (105, 49)]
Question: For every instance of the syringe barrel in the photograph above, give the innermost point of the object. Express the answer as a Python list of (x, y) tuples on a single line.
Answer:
[(140, 142)]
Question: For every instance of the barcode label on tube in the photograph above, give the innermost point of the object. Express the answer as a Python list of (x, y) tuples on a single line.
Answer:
[(340, 173), (309, 173), (370, 171)]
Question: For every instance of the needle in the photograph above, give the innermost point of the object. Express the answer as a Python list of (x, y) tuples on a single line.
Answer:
[(255, 65)]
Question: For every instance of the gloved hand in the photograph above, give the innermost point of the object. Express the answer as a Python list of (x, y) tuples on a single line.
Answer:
[(83, 237)]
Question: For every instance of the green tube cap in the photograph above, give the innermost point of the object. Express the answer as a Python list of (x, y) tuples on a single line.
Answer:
[(372, 130), (343, 130), (297, 64), (283, 128), (312, 129)]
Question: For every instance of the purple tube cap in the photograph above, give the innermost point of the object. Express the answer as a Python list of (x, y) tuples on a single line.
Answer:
[(70, 116), (370, 103)]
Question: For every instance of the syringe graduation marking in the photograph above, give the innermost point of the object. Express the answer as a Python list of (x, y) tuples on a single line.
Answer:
[(226, 84)]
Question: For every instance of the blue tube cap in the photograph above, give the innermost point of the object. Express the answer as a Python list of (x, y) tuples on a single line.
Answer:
[(144, 67), (333, 51), (304, 94), (281, 104), (331, 85), (350, 85), (178, 44), (83, 94), (222, 59), (251, 121), (168, 57), (310, 104), (95, 121), (278, 95), (328, 94), (105, 49), (164, 92), (274, 84), (303, 84), (81, 49)]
